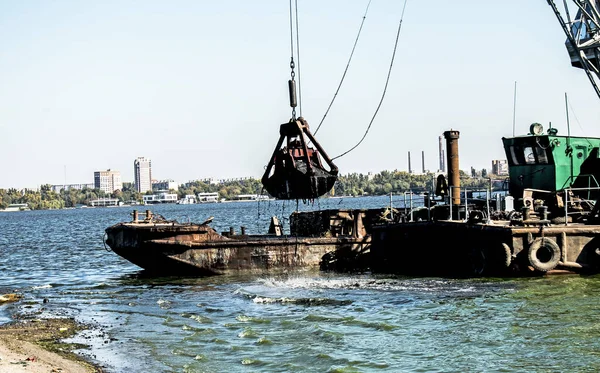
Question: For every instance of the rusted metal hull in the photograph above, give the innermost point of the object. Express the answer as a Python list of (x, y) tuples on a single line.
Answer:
[(337, 240), (453, 248)]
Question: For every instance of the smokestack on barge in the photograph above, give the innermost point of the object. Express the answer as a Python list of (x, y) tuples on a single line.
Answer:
[(452, 162)]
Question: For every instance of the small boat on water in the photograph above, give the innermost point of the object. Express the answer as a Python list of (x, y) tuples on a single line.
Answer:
[(326, 239)]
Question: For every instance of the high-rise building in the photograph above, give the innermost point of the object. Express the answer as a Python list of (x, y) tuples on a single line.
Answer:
[(142, 170), (500, 167), (108, 181), (163, 185)]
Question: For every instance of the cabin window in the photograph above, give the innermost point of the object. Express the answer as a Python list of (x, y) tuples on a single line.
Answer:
[(542, 157), (513, 155), (529, 155)]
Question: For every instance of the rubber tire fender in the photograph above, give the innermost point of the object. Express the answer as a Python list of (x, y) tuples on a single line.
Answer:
[(551, 247), (506, 255)]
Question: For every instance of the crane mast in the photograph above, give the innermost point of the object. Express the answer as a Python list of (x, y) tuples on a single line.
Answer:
[(583, 36)]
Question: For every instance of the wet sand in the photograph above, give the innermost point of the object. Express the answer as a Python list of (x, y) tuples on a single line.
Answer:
[(36, 346)]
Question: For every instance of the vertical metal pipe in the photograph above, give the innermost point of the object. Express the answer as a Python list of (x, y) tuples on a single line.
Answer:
[(487, 203), (411, 206), (566, 206), (466, 206), (391, 208), (453, 170), (450, 199)]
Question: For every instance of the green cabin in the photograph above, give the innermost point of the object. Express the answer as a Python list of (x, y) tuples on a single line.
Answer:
[(551, 163)]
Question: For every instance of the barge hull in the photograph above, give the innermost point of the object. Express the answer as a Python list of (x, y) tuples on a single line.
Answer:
[(456, 248), (328, 240)]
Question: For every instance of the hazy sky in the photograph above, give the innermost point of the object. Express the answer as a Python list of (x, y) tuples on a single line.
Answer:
[(200, 87)]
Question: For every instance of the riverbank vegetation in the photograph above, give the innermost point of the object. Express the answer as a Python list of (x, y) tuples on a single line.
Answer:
[(354, 184)]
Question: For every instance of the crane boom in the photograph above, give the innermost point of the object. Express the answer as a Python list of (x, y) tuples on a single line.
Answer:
[(583, 37)]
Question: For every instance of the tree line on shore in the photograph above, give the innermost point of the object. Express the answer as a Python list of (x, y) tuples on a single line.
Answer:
[(354, 184)]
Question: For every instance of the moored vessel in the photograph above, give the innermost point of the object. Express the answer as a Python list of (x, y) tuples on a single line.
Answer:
[(539, 231), (327, 239)]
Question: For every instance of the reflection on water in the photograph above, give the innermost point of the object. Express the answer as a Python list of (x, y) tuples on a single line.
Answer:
[(304, 322)]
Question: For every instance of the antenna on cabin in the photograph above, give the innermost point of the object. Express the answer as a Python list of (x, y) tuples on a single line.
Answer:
[(514, 107), (567, 111)]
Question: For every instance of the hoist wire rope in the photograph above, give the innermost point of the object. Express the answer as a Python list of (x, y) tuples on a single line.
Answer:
[(298, 60), (291, 31), (577, 120), (346, 70), (384, 88)]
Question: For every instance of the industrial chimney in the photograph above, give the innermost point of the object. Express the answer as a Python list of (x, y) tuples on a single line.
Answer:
[(423, 160), (441, 155), (453, 170), (409, 168)]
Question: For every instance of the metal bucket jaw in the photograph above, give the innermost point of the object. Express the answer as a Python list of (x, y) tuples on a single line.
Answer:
[(295, 171)]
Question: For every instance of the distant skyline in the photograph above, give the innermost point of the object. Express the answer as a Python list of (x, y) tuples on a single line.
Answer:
[(201, 87)]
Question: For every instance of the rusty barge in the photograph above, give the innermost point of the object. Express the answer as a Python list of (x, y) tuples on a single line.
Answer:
[(326, 239), (549, 223)]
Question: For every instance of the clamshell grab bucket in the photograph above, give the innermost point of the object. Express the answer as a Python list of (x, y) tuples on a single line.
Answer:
[(295, 170)]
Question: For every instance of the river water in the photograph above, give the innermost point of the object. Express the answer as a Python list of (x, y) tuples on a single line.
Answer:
[(302, 322)]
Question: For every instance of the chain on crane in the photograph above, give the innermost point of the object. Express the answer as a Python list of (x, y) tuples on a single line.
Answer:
[(295, 170), (292, 88)]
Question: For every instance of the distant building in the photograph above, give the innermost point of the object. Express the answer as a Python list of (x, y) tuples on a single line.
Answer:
[(164, 185), (207, 197), (213, 181), (500, 167), (108, 181), (104, 202), (162, 197), (58, 188), (142, 171)]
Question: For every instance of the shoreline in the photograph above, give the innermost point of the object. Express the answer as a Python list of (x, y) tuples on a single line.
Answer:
[(36, 345)]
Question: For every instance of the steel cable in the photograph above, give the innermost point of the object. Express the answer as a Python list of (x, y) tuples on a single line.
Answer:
[(346, 70), (384, 89)]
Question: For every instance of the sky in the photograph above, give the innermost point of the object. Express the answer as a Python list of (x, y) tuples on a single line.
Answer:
[(200, 87)]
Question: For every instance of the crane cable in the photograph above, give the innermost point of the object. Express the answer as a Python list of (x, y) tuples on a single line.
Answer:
[(293, 63), (384, 89), (346, 70)]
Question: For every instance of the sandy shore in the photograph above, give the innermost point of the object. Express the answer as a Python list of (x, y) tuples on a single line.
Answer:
[(36, 346)]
